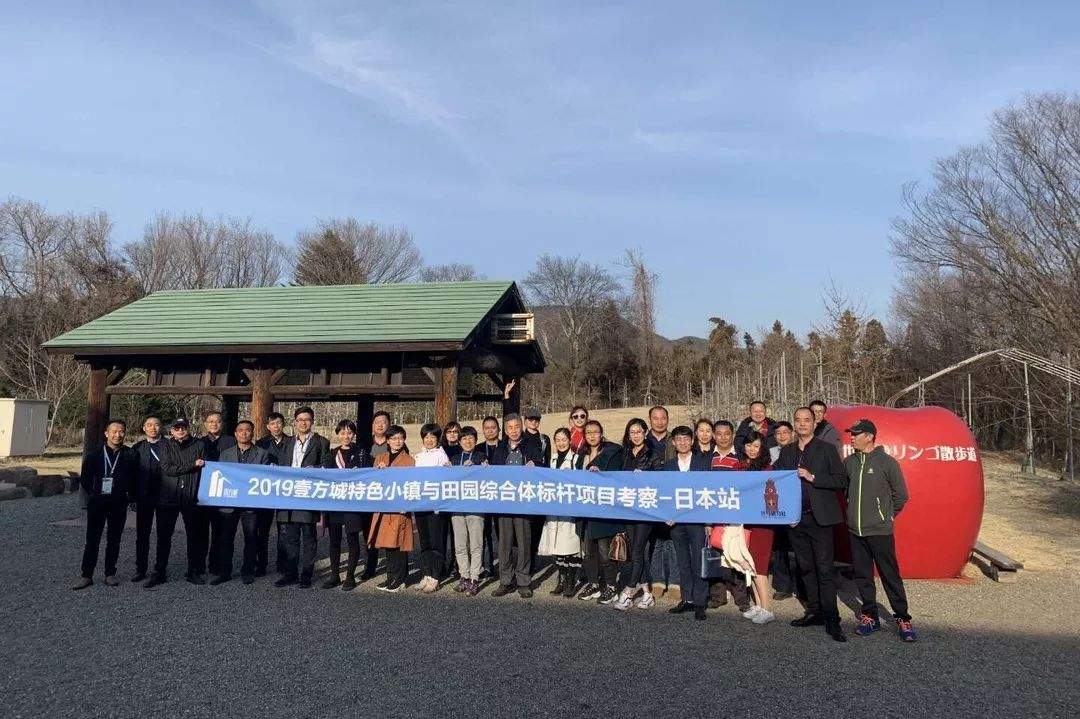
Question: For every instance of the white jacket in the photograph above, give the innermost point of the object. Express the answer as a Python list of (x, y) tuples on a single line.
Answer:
[(432, 458)]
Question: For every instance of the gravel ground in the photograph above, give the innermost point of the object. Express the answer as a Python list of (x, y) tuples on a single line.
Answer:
[(985, 649)]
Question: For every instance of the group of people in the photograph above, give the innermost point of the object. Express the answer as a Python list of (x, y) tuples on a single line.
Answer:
[(601, 560)]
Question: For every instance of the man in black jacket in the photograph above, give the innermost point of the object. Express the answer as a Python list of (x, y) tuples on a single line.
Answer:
[(758, 421), (297, 527), (515, 530), (689, 539), (821, 473), (274, 443), (107, 479), (181, 464), (148, 453), (213, 440), (226, 519), (533, 434)]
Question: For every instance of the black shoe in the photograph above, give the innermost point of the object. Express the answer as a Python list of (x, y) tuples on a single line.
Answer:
[(572, 585), (502, 590), (366, 575), (247, 579), (139, 576), (834, 630), (607, 596), (699, 613), (808, 620), (154, 580), (196, 578), (284, 581), (220, 579), (525, 592), (260, 572), (682, 607), (348, 585), (781, 596), (333, 581), (560, 586), (590, 592), (304, 583)]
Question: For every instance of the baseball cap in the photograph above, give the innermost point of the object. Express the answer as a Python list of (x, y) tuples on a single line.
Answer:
[(179, 422), (863, 425), (532, 413)]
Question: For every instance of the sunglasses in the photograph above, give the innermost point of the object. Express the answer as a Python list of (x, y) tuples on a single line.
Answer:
[(578, 416)]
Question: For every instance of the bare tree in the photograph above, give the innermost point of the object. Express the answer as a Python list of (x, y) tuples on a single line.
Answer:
[(642, 309), (32, 241), (576, 290), (344, 252), (452, 272), (192, 252)]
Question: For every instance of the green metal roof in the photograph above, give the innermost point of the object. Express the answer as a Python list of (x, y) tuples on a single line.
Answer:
[(424, 312)]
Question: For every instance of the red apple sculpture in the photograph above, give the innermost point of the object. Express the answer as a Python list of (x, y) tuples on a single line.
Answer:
[(943, 470)]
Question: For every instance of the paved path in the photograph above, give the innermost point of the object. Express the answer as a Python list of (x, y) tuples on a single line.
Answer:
[(986, 650)]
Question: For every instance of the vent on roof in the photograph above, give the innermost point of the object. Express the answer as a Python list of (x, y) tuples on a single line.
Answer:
[(511, 329)]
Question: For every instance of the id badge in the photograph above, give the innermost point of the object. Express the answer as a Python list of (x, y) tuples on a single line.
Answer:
[(106, 485)]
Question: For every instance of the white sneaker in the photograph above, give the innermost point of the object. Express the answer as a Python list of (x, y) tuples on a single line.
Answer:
[(622, 603), (645, 601), (763, 617), (752, 612)]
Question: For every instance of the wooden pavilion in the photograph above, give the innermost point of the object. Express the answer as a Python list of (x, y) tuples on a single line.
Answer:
[(447, 342)]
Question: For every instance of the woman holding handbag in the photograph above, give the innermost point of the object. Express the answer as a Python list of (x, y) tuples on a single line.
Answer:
[(393, 531), (601, 573), (637, 457), (559, 538), (347, 455), (761, 535)]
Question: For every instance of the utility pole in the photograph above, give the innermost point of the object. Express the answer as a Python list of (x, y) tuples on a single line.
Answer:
[(1069, 402), (1029, 461)]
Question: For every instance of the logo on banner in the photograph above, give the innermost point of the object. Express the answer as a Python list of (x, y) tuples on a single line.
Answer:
[(772, 498), (220, 486)]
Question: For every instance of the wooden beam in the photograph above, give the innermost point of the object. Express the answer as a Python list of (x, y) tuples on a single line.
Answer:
[(247, 350), (277, 375), (401, 390), (262, 399), (116, 375), (446, 395), (97, 408)]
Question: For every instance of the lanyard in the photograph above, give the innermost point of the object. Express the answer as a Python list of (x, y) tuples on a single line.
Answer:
[(109, 467)]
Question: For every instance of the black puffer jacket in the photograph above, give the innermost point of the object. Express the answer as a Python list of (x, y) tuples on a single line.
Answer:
[(179, 475), (646, 460), (609, 459)]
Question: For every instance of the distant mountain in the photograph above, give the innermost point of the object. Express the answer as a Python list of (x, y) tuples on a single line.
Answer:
[(547, 319)]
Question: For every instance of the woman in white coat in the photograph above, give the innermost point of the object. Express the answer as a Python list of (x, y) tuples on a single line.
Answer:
[(559, 537)]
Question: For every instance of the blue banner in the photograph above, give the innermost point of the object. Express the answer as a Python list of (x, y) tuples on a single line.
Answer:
[(684, 497)]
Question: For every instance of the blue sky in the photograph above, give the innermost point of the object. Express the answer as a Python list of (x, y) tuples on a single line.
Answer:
[(752, 150)]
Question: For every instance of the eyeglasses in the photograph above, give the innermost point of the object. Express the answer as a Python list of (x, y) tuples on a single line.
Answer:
[(578, 416)]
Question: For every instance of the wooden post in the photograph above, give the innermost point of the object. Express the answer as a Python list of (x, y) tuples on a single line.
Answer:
[(446, 393), (230, 412), (365, 414), (97, 408), (262, 398)]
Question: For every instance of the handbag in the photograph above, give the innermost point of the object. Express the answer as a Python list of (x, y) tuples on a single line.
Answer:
[(619, 550), (716, 537), (711, 568)]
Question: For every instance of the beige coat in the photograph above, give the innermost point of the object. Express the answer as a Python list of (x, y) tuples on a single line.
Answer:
[(390, 530)]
